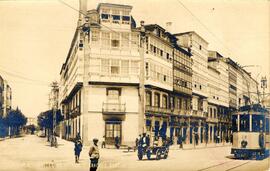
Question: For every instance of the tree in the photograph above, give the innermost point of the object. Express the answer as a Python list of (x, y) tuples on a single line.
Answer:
[(15, 119), (45, 120), (3, 129)]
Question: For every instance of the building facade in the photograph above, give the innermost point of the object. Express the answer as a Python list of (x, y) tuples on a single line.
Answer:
[(99, 85), (198, 47), (218, 100), (5, 97), (1, 96), (243, 89)]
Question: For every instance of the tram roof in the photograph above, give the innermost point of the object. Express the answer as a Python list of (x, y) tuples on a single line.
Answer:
[(257, 108)]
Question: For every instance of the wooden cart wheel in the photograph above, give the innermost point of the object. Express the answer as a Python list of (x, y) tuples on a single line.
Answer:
[(158, 154)]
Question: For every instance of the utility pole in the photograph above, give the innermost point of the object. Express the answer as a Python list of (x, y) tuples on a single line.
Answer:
[(141, 78), (263, 86), (55, 90)]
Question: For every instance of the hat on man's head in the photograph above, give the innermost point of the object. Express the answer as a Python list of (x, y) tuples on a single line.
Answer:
[(95, 140)]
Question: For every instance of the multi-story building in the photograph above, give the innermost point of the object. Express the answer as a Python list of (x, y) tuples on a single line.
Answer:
[(232, 67), (7, 98), (243, 89), (198, 47), (168, 83), (218, 99), (99, 86), (1, 96)]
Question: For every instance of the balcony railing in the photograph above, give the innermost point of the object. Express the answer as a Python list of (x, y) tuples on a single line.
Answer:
[(155, 109), (181, 112), (211, 119), (113, 108)]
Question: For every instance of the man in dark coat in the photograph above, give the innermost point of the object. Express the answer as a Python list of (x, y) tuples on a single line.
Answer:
[(77, 150), (117, 142), (196, 138), (180, 141)]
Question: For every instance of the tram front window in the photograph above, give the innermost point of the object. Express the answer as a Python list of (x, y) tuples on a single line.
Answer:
[(244, 123), (257, 123), (234, 123)]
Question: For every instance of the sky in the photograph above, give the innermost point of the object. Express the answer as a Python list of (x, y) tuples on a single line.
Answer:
[(35, 37)]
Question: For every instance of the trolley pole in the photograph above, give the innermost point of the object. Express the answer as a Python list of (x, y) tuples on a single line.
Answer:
[(263, 86), (141, 79)]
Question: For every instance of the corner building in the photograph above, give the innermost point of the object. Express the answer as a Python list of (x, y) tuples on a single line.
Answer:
[(99, 86)]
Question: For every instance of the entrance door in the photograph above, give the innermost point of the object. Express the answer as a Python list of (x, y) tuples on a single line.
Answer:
[(113, 129)]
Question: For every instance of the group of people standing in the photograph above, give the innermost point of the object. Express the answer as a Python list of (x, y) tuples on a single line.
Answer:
[(93, 152)]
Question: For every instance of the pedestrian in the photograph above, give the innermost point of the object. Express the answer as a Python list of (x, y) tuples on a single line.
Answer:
[(180, 141), (206, 138), (147, 140), (136, 144), (77, 150), (116, 142), (103, 145), (215, 138), (261, 140), (94, 155), (144, 141), (140, 140), (231, 138), (196, 138), (227, 138)]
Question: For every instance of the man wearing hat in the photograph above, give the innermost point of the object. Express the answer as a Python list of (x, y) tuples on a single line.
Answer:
[(77, 150), (94, 155)]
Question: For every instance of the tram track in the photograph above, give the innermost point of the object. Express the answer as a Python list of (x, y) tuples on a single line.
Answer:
[(237, 166), (225, 166)]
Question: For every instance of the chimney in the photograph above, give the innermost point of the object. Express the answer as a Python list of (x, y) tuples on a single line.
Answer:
[(169, 26), (83, 7)]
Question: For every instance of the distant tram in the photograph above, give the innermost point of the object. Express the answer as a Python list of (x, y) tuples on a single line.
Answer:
[(250, 126)]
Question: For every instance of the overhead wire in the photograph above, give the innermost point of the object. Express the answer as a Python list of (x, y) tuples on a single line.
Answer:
[(207, 28), (23, 77)]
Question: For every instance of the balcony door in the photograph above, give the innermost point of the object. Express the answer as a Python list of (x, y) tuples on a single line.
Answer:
[(113, 95), (113, 99)]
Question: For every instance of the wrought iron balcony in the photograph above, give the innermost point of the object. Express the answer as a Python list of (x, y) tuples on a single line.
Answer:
[(113, 108)]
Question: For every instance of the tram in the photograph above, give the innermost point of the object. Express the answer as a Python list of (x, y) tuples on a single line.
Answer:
[(250, 127)]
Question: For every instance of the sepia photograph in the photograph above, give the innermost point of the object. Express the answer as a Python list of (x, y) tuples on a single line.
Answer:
[(127, 85)]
